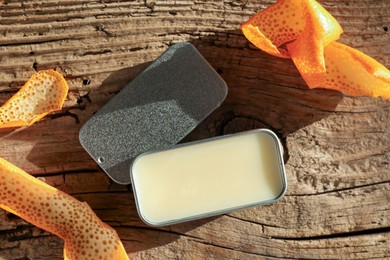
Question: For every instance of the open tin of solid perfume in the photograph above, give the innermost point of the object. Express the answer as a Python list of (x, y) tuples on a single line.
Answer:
[(154, 111), (133, 138), (208, 177)]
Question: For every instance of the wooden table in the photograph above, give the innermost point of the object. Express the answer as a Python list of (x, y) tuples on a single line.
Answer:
[(337, 148)]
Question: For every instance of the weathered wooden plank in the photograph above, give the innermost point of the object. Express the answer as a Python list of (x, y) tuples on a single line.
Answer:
[(303, 224), (336, 147)]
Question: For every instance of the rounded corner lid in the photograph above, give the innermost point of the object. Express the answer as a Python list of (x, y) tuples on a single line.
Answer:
[(156, 110)]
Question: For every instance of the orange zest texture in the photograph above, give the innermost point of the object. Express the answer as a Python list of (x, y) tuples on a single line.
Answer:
[(43, 93), (84, 234), (305, 32)]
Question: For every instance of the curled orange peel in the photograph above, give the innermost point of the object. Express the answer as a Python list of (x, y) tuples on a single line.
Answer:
[(351, 71), (84, 234), (307, 51), (305, 32), (43, 93), (274, 26)]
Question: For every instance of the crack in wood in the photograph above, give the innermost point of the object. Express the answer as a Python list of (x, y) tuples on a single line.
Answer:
[(20, 228), (88, 53), (100, 192), (163, 230), (253, 222), (365, 232), (63, 173), (36, 42), (338, 190)]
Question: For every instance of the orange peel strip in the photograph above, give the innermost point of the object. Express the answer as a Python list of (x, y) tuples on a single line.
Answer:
[(310, 43), (43, 93), (276, 25), (355, 73), (307, 51), (84, 234)]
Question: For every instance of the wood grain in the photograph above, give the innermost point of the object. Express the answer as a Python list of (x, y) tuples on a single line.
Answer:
[(337, 147)]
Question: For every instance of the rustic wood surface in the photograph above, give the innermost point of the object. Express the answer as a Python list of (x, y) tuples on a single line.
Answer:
[(337, 149)]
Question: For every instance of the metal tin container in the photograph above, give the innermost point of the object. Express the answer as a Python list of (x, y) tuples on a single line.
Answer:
[(209, 177)]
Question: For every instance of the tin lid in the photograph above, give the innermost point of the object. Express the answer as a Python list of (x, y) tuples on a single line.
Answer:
[(155, 111)]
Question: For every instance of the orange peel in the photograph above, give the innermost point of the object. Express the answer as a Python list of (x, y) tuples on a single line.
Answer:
[(276, 25), (43, 93), (84, 234), (305, 32), (307, 51), (355, 73)]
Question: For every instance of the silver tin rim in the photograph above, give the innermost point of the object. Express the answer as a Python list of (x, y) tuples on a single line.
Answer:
[(218, 212)]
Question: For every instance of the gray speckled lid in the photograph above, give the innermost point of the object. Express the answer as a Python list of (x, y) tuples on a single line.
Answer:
[(156, 110)]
